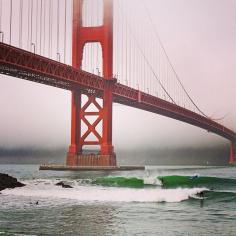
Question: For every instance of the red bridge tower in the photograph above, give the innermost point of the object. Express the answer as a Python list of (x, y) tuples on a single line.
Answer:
[(82, 35)]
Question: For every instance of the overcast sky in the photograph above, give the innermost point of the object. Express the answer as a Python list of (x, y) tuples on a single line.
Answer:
[(200, 39)]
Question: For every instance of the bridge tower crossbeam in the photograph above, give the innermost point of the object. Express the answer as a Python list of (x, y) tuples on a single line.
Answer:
[(81, 35)]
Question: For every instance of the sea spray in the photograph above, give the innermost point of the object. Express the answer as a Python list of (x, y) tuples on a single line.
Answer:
[(152, 181)]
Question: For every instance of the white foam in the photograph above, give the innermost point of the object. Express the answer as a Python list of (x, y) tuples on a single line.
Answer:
[(103, 194), (152, 181)]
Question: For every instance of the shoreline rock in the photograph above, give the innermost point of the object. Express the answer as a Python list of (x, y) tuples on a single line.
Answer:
[(61, 183), (7, 181)]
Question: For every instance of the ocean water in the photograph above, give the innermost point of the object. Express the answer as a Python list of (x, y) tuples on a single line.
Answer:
[(163, 200)]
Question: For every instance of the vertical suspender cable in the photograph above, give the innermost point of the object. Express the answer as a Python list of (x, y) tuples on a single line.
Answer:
[(96, 49), (154, 63), (97, 13), (28, 43), (44, 27), (91, 44), (159, 66), (89, 57), (98, 58), (144, 73), (49, 30), (58, 33), (121, 61), (36, 27), (65, 32), (130, 61), (51, 26), (20, 23), (31, 24), (70, 51), (167, 83), (0, 15), (97, 44), (91, 11), (135, 68), (84, 14), (117, 47), (142, 66), (1, 31), (122, 48), (128, 57), (147, 70), (84, 23), (10, 21), (41, 23), (142, 69), (126, 53)]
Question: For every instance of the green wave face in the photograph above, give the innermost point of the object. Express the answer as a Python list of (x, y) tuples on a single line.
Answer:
[(172, 181), (220, 196), (189, 181), (120, 182)]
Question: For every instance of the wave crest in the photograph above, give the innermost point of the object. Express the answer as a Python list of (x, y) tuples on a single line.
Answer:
[(101, 194)]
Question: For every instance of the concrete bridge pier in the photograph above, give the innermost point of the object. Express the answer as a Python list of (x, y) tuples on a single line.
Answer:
[(232, 159)]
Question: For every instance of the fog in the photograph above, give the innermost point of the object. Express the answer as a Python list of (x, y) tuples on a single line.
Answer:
[(199, 37)]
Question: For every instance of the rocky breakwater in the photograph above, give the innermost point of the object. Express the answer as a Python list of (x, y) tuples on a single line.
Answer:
[(7, 181)]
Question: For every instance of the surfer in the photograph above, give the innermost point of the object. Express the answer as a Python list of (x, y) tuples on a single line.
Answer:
[(162, 181), (194, 176), (201, 194)]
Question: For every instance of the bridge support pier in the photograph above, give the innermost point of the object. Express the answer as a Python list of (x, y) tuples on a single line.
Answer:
[(90, 160), (232, 159), (102, 113)]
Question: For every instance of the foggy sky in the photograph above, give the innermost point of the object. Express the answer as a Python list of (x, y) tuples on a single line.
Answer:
[(200, 39)]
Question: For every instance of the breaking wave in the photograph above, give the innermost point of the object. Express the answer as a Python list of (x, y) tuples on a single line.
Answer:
[(196, 181), (47, 190)]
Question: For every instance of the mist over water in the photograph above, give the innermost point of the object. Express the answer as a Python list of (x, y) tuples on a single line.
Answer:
[(216, 155)]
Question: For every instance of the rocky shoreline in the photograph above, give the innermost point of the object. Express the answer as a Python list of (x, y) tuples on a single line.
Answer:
[(61, 183), (7, 181)]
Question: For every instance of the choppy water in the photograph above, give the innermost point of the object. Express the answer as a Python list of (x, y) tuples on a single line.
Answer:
[(157, 201)]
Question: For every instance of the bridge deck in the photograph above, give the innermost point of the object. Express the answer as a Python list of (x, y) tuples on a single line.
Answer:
[(25, 65)]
